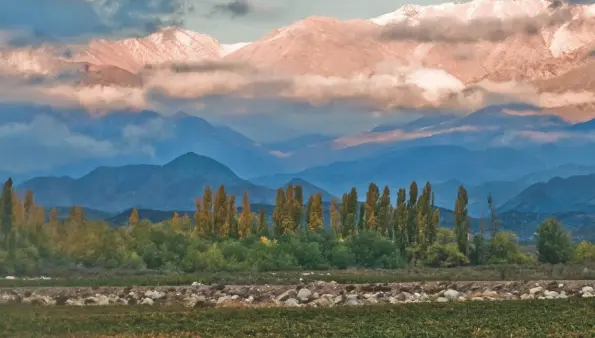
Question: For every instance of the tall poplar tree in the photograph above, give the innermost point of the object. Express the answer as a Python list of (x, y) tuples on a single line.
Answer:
[(231, 222), (401, 220), (335, 216), (493, 220), (385, 213), (289, 209), (371, 213), (263, 225), (462, 221), (278, 214), (412, 230), (245, 223), (6, 217), (206, 215), (133, 219), (298, 215), (316, 220), (221, 207), (198, 226)]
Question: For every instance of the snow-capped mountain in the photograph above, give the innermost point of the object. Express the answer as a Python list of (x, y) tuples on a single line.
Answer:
[(434, 50)]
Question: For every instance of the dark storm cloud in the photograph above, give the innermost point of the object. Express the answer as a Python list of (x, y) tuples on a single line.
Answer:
[(234, 8)]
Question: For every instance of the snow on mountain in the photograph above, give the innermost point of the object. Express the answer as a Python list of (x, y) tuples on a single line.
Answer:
[(232, 47), (472, 10), (170, 44)]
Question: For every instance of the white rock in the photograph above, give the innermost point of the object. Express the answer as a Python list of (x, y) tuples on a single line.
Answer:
[(292, 302), (451, 294), (587, 289), (441, 300), (146, 301), (196, 284), (526, 296), (550, 294), (352, 302), (476, 299), (75, 302), (304, 295), (535, 290), (223, 299), (10, 277), (102, 300), (587, 295)]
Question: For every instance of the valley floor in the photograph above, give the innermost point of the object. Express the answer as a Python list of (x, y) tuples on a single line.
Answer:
[(537, 318), (96, 278)]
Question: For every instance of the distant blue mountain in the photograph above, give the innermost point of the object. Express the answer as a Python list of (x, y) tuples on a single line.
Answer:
[(120, 138), (172, 186)]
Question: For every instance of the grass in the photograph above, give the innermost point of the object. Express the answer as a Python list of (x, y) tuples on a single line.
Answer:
[(349, 276), (554, 318)]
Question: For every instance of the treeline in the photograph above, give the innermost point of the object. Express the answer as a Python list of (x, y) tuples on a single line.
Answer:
[(374, 233)]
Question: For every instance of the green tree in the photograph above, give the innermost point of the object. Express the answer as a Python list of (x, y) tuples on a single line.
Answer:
[(493, 220), (400, 220), (462, 221), (6, 217), (263, 225), (385, 213), (279, 213), (584, 252), (362, 217), (412, 229), (371, 214), (335, 216), (553, 243)]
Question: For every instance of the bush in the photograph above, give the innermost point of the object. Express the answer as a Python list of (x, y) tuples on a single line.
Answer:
[(553, 243)]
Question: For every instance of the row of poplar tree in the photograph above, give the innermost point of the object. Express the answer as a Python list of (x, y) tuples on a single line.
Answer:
[(412, 223)]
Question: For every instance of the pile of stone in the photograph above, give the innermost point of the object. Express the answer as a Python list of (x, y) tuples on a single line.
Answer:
[(318, 294)]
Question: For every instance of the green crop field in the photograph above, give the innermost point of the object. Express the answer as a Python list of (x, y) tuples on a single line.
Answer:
[(554, 318)]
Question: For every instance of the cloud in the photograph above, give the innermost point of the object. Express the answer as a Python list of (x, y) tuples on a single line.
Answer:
[(234, 8), (34, 21), (454, 30), (46, 142), (394, 136)]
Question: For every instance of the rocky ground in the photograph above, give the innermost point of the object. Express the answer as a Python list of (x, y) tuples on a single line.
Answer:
[(318, 294)]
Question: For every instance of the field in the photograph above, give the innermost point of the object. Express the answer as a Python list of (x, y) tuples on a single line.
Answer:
[(349, 276), (559, 318)]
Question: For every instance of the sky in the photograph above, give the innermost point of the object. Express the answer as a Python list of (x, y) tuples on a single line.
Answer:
[(262, 16), (228, 21)]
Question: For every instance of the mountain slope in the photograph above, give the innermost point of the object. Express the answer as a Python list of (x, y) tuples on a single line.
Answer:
[(174, 186), (434, 163), (575, 193), (432, 49), (57, 138)]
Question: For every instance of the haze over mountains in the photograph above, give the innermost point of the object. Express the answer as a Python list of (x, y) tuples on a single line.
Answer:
[(494, 95)]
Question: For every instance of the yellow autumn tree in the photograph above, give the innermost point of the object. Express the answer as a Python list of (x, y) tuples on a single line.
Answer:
[(175, 223), (245, 223), (133, 219), (316, 220)]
